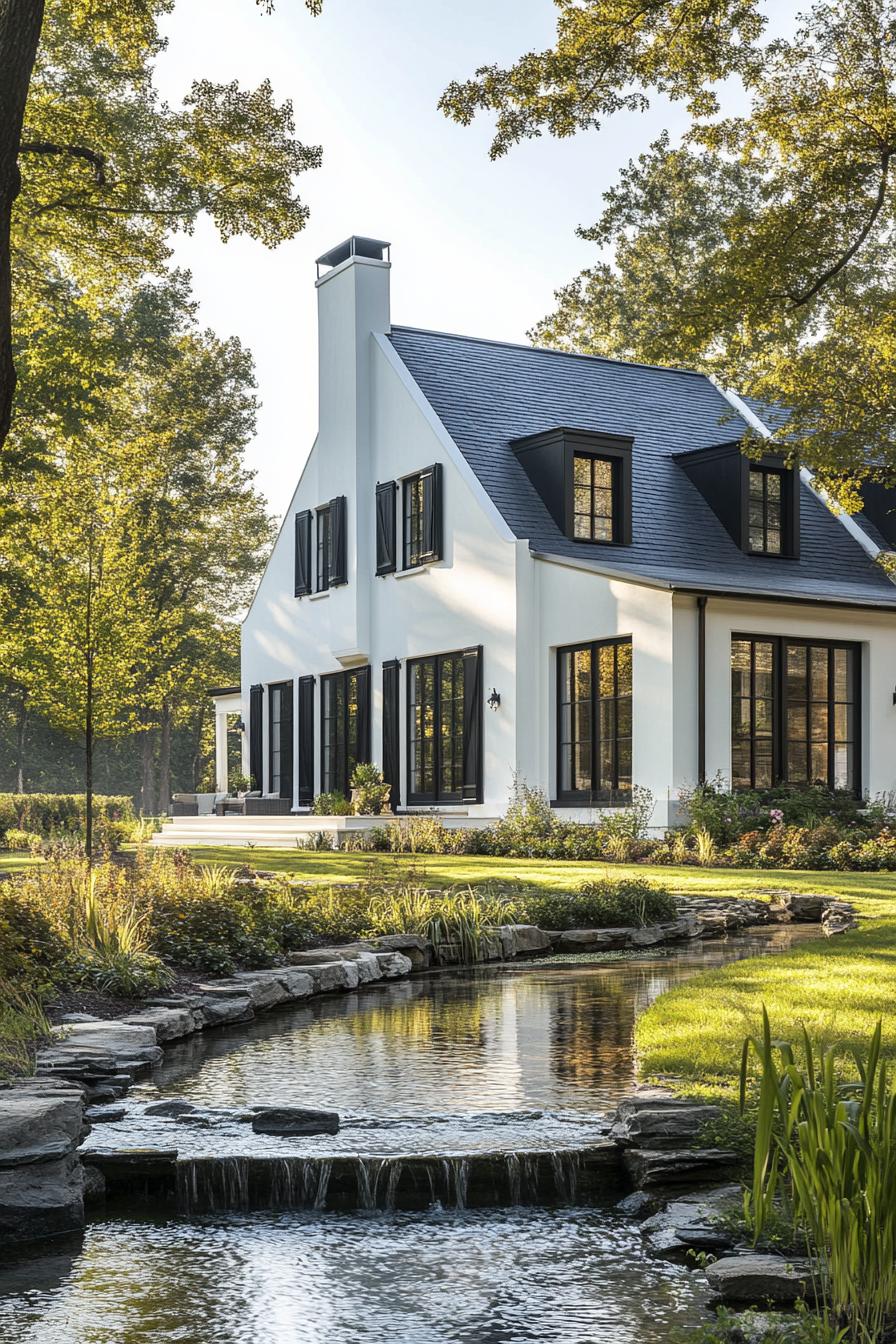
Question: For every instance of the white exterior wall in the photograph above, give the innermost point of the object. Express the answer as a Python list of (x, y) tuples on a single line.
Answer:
[(573, 606), (489, 589), (467, 598), (875, 631)]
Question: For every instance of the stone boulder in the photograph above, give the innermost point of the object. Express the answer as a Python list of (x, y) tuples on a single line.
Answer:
[(297, 984), (39, 1124), (169, 1024), (592, 940), (415, 948), (694, 1222), (329, 976), (664, 1126), (394, 964), (756, 1280), (838, 917), (294, 1120), (106, 1046), (225, 1010), (169, 1108), (524, 940), (659, 1169), (41, 1181), (44, 1199)]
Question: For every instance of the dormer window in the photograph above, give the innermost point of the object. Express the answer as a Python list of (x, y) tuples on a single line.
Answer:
[(594, 495), (758, 502), (584, 478), (765, 518)]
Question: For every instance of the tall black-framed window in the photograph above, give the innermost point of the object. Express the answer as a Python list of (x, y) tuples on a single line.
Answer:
[(280, 755), (765, 522), (422, 517), (345, 727), (795, 713), (594, 730), (595, 498), (444, 734), (323, 548)]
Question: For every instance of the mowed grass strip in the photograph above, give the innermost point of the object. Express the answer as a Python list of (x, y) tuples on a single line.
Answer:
[(837, 988)]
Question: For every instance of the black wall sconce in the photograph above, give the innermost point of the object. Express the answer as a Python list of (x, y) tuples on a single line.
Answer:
[(240, 726), (494, 699)]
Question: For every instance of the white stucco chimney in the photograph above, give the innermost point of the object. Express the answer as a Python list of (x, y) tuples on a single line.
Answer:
[(352, 305)]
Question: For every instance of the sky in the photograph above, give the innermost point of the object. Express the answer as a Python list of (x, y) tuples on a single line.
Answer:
[(477, 247)]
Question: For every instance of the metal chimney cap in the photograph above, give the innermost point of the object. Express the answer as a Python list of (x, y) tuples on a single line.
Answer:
[(372, 248)]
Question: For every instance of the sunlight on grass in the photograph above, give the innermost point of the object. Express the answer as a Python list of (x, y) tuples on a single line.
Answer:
[(447, 870)]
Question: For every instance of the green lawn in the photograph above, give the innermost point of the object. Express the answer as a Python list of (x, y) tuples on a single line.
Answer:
[(838, 986), (445, 870), (14, 861)]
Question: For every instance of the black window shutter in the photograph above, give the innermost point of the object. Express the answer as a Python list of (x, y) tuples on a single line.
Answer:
[(362, 684), (306, 741), (338, 568), (391, 749), (432, 516), (385, 528), (472, 758), (286, 735), (256, 695), (303, 553)]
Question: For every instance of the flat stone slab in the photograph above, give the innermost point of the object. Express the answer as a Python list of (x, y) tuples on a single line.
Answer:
[(652, 1169), (105, 1115), (295, 1120), (759, 1279), (693, 1222), (664, 1126)]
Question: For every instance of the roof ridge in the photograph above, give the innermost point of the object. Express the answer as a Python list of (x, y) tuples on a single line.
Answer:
[(547, 350)]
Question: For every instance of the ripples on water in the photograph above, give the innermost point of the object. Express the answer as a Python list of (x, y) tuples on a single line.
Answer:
[(448, 1062), (545, 1276)]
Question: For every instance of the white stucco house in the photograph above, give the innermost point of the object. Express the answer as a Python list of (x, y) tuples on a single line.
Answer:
[(504, 560)]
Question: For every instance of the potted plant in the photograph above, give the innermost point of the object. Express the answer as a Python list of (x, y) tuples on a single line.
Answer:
[(370, 792)]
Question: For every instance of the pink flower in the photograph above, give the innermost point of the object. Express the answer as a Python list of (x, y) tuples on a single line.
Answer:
[(776, 815)]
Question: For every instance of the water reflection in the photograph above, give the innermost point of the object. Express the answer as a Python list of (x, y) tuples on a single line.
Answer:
[(545, 1036), (536, 1276)]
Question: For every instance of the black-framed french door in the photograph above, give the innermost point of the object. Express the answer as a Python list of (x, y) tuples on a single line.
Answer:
[(594, 722), (444, 727), (345, 727), (280, 754), (795, 712)]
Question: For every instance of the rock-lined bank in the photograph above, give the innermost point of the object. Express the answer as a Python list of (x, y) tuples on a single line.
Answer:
[(94, 1062)]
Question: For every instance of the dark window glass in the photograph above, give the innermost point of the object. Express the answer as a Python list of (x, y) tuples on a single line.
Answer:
[(341, 710), (436, 728), (765, 515), (594, 498), (276, 694), (793, 714), (323, 549), (595, 722), (422, 517)]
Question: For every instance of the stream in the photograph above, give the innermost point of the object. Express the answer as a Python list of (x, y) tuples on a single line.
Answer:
[(509, 1061)]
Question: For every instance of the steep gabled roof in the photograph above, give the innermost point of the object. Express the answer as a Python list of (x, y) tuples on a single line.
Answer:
[(488, 394)]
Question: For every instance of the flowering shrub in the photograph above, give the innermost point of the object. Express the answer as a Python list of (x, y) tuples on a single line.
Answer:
[(33, 953), (876, 854)]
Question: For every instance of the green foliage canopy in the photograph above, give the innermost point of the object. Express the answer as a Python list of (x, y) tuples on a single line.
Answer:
[(761, 247)]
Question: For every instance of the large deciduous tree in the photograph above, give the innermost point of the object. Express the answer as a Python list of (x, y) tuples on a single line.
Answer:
[(97, 171), (136, 546), (762, 247)]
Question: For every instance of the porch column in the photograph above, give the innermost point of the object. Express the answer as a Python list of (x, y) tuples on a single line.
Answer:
[(221, 751)]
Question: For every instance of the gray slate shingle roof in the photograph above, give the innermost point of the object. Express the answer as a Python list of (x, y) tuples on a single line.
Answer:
[(487, 394)]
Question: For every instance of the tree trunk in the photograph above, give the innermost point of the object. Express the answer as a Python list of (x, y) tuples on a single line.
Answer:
[(164, 795), (198, 754), (20, 25), (147, 792), (21, 739)]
